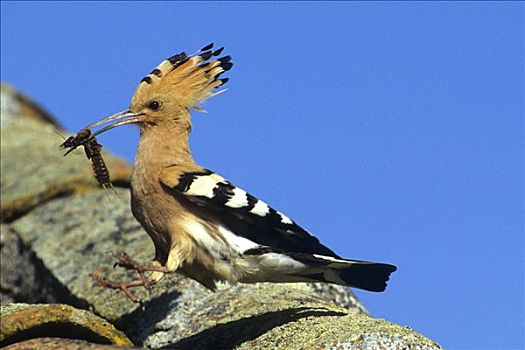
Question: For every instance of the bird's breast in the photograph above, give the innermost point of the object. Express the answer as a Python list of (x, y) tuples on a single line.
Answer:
[(152, 208)]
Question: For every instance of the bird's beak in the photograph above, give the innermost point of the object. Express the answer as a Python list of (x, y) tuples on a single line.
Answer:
[(118, 119)]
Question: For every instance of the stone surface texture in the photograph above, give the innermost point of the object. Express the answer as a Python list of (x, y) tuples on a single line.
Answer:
[(41, 320), (48, 343), (33, 169), (59, 226)]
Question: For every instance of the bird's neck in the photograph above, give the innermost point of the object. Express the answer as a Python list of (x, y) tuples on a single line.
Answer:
[(163, 145)]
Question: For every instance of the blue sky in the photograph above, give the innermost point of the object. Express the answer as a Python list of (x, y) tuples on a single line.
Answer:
[(393, 131)]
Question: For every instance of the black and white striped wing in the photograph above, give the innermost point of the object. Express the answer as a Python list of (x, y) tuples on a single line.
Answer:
[(242, 213)]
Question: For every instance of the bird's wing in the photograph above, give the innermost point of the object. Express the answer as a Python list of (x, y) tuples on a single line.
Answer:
[(243, 214)]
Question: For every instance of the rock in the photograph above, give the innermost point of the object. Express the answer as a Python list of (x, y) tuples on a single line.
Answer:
[(178, 312), (60, 343), (33, 168), (264, 316), (24, 321), (18, 277), (14, 103), (74, 236), (68, 227), (89, 226)]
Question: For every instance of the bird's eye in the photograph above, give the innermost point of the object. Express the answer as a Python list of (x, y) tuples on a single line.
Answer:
[(154, 105)]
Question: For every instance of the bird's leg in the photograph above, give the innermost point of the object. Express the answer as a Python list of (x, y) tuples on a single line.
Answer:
[(123, 286), (128, 263), (125, 261)]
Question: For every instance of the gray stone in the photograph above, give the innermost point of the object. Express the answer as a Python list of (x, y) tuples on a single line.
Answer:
[(49, 343), (21, 277), (73, 236), (21, 322), (66, 227), (33, 168)]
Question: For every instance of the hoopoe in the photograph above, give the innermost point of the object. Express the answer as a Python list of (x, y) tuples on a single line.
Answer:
[(201, 224)]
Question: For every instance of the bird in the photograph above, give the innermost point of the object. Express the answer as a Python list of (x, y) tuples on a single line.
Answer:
[(201, 224)]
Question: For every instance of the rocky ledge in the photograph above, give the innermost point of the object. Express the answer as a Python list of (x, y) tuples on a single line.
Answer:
[(58, 227)]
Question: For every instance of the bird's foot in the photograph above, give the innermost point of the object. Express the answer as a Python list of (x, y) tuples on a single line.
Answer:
[(123, 286), (125, 261), (128, 263)]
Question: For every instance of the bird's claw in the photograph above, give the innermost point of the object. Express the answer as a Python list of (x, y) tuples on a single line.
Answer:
[(125, 261), (123, 286)]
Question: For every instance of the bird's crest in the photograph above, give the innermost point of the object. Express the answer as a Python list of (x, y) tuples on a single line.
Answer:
[(189, 79)]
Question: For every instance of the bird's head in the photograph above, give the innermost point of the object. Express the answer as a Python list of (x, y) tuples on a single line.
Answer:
[(166, 94)]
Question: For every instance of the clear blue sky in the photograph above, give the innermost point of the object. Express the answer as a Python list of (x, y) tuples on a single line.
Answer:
[(393, 131)]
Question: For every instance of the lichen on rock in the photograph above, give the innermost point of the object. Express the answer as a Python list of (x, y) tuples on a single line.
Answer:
[(57, 220)]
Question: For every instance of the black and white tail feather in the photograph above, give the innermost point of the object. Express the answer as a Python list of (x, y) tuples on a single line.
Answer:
[(278, 248), (305, 267)]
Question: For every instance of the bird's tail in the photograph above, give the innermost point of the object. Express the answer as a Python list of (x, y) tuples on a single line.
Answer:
[(192, 78), (282, 266), (371, 276)]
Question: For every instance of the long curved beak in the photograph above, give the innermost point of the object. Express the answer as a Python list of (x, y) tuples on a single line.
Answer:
[(118, 119)]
